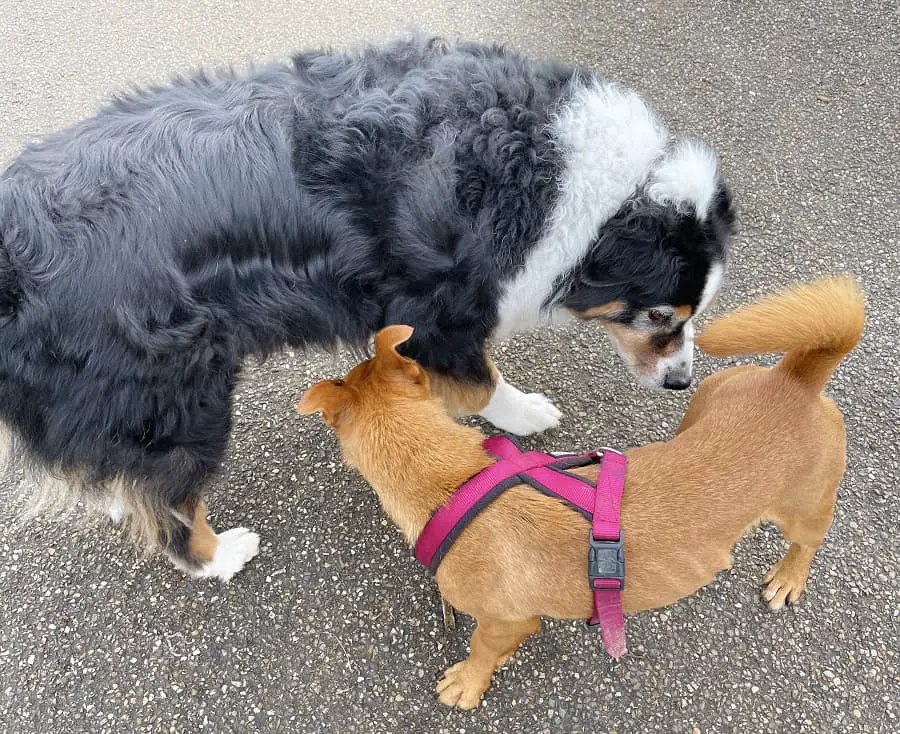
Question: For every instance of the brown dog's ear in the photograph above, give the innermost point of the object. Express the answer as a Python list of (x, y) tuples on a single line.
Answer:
[(389, 338), (389, 359), (329, 396)]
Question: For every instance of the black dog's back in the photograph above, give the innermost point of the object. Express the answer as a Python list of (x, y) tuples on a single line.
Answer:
[(299, 205), (120, 346), (147, 250)]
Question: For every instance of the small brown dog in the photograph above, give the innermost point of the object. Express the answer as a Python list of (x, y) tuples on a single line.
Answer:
[(756, 444)]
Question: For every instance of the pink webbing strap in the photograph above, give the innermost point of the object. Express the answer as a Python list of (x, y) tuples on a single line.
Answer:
[(449, 521), (536, 465), (606, 563), (607, 560)]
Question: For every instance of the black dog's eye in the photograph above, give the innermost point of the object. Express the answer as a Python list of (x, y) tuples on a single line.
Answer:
[(656, 315)]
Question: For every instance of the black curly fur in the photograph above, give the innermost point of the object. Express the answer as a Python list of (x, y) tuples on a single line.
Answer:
[(147, 250)]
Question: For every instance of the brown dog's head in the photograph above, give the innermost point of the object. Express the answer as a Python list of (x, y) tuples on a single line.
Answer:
[(399, 437), (376, 394)]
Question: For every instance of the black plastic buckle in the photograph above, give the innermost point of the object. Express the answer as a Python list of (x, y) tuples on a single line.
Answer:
[(606, 560)]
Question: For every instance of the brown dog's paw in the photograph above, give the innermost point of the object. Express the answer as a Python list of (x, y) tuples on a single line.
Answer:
[(461, 687), (784, 583)]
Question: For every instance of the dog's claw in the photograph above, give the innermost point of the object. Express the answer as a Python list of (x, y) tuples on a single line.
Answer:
[(449, 615), (459, 688), (783, 584)]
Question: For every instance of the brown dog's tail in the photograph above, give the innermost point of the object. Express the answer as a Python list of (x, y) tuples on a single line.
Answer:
[(816, 324)]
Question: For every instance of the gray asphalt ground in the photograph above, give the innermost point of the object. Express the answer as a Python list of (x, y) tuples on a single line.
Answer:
[(334, 628)]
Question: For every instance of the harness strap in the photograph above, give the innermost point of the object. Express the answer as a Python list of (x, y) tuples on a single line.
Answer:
[(451, 519), (513, 467), (606, 538), (547, 473)]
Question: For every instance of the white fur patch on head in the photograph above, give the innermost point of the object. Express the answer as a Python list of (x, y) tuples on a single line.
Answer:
[(713, 282), (609, 138), (688, 177), (678, 367)]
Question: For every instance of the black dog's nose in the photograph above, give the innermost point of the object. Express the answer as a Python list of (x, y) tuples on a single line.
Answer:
[(676, 383)]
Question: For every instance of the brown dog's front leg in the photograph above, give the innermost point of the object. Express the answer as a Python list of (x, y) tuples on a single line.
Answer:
[(493, 643)]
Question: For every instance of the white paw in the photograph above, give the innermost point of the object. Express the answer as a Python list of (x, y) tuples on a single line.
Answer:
[(236, 547), (536, 413), (512, 410)]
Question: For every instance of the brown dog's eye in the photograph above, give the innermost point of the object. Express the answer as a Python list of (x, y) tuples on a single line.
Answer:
[(337, 383), (656, 315)]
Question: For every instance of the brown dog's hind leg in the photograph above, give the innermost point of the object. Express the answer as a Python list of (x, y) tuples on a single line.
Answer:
[(493, 643), (786, 580)]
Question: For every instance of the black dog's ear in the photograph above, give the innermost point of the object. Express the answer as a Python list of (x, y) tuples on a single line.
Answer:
[(724, 216), (631, 260), (650, 254)]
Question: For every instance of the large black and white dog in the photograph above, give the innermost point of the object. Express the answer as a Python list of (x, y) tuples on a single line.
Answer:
[(459, 188)]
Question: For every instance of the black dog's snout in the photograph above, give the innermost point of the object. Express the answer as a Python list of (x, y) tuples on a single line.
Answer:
[(676, 383)]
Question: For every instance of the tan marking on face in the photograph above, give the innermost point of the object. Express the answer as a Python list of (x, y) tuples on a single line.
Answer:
[(604, 311), (635, 345), (203, 541), (684, 312), (638, 348)]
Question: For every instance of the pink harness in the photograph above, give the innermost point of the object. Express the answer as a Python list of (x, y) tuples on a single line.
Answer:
[(548, 474)]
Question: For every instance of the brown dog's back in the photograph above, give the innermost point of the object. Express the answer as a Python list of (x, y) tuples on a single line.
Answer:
[(764, 444), (755, 444)]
